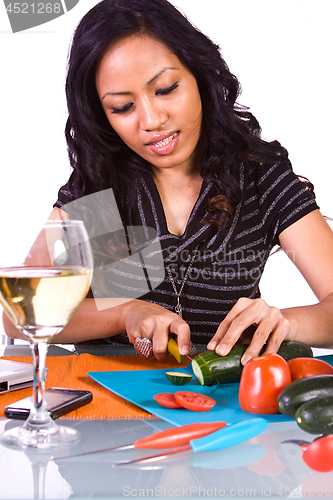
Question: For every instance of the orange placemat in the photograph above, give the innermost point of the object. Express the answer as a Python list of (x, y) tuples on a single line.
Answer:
[(71, 372)]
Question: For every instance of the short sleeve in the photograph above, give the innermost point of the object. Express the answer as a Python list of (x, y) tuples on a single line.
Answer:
[(283, 198), (65, 195)]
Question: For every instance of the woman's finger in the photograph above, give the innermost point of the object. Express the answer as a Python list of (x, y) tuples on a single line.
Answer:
[(245, 313), (160, 341), (273, 329), (182, 330), (161, 334), (151, 324), (144, 346), (140, 335)]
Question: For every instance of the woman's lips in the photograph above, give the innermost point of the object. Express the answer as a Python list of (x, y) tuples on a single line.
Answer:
[(166, 145)]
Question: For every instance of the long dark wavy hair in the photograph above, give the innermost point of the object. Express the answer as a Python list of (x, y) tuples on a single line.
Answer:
[(100, 159)]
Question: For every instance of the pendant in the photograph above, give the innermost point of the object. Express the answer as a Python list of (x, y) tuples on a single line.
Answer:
[(178, 309)]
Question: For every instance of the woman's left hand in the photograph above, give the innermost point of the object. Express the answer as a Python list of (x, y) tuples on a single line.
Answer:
[(270, 326)]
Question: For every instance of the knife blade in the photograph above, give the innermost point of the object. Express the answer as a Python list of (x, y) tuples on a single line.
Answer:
[(219, 440), (169, 438)]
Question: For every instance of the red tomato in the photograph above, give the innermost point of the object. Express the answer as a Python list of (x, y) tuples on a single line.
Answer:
[(262, 380), (168, 400), (193, 401), (318, 455), (308, 367)]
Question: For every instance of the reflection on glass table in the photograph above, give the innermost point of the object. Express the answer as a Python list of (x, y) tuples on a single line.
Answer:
[(260, 467)]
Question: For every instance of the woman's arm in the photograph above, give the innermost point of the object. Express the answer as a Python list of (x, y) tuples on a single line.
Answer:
[(309, 244), (96, 319), (100, 318)]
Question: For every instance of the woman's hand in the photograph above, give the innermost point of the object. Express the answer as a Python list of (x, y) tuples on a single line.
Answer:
[(146, 320), (270, 326)]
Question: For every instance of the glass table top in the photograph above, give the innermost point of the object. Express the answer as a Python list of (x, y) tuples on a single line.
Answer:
[(261, 467)]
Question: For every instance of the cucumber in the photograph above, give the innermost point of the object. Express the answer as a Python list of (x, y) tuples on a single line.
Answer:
[(303, 390), (178, 378), (209, 368), (290, 349), (316, 416)]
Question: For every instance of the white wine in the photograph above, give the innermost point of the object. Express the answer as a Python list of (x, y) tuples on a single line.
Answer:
[(41, 301)]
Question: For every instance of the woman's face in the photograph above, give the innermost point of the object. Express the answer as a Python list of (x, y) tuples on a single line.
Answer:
[(151, 100)]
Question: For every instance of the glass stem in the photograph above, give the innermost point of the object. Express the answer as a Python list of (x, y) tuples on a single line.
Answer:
[(39, 413), (39, 473)]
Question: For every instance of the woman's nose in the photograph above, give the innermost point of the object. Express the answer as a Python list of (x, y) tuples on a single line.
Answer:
[(152, 116)]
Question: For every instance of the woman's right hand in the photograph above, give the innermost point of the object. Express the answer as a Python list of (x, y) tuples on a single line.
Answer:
[(147, 320)]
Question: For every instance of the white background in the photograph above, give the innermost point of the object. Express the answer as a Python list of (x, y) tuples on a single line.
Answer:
[(281, 51)]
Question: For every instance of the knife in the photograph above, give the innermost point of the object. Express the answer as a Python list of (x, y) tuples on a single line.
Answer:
[(169, 438), (144, 347), (218, 440)]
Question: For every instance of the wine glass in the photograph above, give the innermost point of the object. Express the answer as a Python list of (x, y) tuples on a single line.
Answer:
[(45, 273)]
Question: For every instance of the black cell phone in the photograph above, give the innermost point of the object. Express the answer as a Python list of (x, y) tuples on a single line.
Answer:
[(59, 402)]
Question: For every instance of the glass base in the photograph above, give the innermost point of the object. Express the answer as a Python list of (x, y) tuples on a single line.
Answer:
[(40, 436)]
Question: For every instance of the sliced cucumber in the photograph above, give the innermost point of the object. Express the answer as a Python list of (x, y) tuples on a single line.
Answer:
[(202, 371), (209, 368), (178, 378)]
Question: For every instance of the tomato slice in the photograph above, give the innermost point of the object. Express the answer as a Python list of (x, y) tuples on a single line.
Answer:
[(168, 400), (193, 401), (308, 367)]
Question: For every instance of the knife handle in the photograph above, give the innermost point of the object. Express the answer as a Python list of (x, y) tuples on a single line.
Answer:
[(145, 348), (178, 436), (174, 350), (230, 436)]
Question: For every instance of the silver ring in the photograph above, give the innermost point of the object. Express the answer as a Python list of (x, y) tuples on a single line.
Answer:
[(143, 346)]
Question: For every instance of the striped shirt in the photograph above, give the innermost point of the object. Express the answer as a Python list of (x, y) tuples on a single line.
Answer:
[(226, 266)]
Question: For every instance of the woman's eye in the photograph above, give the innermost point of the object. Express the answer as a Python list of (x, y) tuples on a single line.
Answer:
[(122, 109), (167, 90)]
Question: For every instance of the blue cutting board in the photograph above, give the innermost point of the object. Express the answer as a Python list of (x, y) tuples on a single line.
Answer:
[(140, 386)]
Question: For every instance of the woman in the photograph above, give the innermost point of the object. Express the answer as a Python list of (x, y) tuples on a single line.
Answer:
[(153, 116)]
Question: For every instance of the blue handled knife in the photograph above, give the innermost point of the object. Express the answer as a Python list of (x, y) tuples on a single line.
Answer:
[(223, 438)]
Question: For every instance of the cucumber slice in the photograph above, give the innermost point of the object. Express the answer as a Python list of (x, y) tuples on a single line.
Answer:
[(178, 378), (201, 371)]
